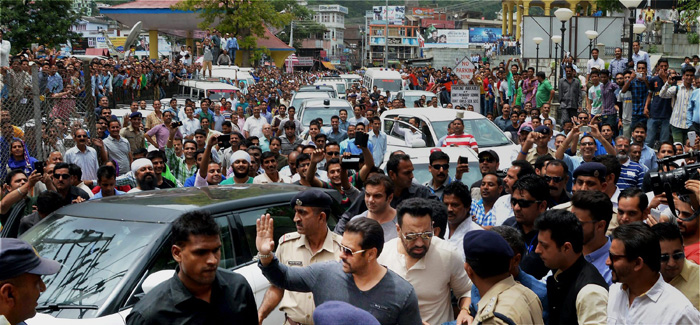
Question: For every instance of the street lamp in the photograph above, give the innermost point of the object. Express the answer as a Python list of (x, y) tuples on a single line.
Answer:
[(563, 14), (556, 39), (537, 41), (630, 5), (697, 31), (591, 34)]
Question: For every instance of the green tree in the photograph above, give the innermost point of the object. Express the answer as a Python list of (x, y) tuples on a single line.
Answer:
[(304, 25), (243, 18), (43, 22)]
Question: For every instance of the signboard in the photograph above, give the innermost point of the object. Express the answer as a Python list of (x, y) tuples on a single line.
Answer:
[(304, 61), (465, 95), (465, 69), (423, 12), (339, 8), (396, 13), (450, 38), (484, 34)]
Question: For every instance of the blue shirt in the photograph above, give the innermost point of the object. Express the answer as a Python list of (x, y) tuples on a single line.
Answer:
[(483, 218), (349, 146), (379, 143), (99, 194), (617, 66), (55, 84), (631, 175), (232, 43), (598, 259), (343, 125), (648, 158), (539, 288), (337, 137), (639, 96), (693, 114)]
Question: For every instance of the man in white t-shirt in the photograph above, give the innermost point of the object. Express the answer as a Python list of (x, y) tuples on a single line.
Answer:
[(254, 124), (594, 61)]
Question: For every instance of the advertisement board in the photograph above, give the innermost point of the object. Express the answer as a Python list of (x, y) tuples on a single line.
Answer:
[(396, 13), (423, 12), (484, 34), (465, 95), (451, 38)]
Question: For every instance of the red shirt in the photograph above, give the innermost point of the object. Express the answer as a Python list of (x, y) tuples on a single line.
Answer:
[(463, 140), (692, 252)]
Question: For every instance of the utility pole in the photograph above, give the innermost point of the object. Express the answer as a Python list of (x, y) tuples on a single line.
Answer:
[(291, 33), (386, 36)]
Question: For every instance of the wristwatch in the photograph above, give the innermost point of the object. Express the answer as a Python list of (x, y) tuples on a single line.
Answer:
[(259, 256)]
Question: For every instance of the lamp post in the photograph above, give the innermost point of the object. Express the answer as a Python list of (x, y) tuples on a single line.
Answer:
[(537, 41), (630, 5), (591, 34), (698, 30), (556, 39), (563, 14)]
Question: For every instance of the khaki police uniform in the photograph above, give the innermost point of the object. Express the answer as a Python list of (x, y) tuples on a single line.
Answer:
[(509, 302), (294, 251)]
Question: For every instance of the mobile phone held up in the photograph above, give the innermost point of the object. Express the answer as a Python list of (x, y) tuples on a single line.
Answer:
[(224, 141), (39, 166), (463, 160), (176, 124)]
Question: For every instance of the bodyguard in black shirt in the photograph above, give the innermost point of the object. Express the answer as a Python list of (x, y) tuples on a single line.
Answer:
[(199, 292)]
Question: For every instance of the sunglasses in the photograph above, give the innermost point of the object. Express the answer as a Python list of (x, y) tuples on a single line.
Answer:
[(441, 166), (411, 236), (333, 153), (486, 159), (556, 179), (614, 257), (61, 176), (347, 251), (523, 203), (676, 256)]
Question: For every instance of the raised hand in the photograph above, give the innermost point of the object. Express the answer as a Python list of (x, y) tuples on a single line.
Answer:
[(317, 156), (265, 229)]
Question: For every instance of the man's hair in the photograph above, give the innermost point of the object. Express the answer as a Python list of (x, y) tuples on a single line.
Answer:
[(439, 216), (639, 241), (513, 237), (438, 155), (605, 72), (157, 154), (688, 69), (611, 163), (140, 151), (459, 190), (106, 172), (539, 162), (200, 132), (190, 141), (290, 125), (196, 223), (370, 230), (499, 180), (379, 179), (74, 170), (563, 227), (642, 62), (48, 201), (667, 231), (595, 202), (525, 168), (560, 163), (61, 165), (632, 192), (594, 72), (414, 206), (533, 184), (541, 74), (266, 155), (394, 160)]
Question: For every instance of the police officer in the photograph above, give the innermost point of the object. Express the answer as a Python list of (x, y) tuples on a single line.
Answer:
[(20, 280), (312, 242), (503, 300)]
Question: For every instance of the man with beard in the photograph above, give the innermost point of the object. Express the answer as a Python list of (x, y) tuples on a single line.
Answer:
[(431, 265), (106, 180), (633, 206), (312, 243), (209, 172), (503, 208), (675, 268), (689, 225), (159, 160), (271, 175), (632, 173), (458, 202), (358, 279), (635, 260), (240, 164), (594, 210), (379, 191), (482, 210), (199, 292), (145, 177), (556, 174), (439, 167)]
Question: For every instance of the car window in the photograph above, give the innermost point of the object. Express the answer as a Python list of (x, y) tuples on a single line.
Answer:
[(228, 254), (283, 216), (424, 129), (484, 131)]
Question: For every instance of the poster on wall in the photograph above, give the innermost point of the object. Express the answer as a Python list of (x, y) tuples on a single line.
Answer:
[(484, 34), (450, 38), (396, 13)]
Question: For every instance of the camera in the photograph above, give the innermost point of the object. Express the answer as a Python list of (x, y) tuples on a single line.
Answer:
[(673, 181), (176, 124), (351, 163)]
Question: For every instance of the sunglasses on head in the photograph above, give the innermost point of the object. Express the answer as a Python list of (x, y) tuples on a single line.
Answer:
[(676, 256), (347, 251), (523, 203), (556, 179)]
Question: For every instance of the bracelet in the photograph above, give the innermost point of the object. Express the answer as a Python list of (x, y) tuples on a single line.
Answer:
[(467, 310), (523, 152), (261, 256), (20, 192)]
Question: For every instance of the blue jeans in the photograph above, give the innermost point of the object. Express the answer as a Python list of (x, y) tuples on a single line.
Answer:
[(636, 119), (610, 119), (482, 104), (654, 125)]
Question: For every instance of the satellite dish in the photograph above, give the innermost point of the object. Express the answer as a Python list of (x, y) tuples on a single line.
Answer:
[(133, 35)]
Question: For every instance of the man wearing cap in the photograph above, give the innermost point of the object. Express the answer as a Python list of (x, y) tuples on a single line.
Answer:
[(240, 166), (488, 163), (20, 280), (503, 301), (312, 242), (145, 176), (342, 313), (540, 137), (589, 176), (134, 132)]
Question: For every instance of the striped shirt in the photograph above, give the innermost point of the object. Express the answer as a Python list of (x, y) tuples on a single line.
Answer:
[(631, 175), (481, 217), (463, 140), (681, 96)]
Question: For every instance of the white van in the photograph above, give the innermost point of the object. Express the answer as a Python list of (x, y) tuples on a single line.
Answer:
[(229, 72), (337, 83), (351, 79), (384, 79), (201, 89)]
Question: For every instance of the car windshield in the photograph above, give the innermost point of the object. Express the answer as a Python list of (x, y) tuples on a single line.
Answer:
[(296, 102), (96, 254), (484, 131), (325, 113), (388, 84), (422, 174), (410, 100)]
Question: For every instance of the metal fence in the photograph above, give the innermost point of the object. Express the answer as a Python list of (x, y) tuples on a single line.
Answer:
[(43, 110)]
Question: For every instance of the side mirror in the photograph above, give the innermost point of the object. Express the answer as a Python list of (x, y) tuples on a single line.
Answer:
[(155, 279), (509, 135), (418, 143)]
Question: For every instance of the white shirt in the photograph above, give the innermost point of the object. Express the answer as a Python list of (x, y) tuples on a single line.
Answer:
[(5, 48), (600, 63), (502, 209), (458, 237), (440, 270), (408, 136), (87, 161), (189, 126), (263, 179), (662, 304), (254, 126)]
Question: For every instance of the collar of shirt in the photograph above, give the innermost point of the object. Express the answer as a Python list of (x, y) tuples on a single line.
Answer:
[(655, 292), (599, 253), (180, 294), (686, 271), (327, 242)]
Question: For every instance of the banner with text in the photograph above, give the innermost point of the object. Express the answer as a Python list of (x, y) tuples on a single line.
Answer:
[(484, 34), (465, 95), (450, 38)]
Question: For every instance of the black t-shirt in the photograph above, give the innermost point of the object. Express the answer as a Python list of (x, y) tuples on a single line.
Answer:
[(167, 184)]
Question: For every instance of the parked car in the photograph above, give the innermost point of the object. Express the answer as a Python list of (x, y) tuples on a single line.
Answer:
[(433, 125), (311, 109), (299, 97), (110, 247)]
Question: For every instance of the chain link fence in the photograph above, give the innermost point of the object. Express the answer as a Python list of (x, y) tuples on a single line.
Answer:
[(40, 111)]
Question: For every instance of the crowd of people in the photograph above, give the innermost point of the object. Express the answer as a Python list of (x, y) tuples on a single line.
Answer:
[(574, 230)]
